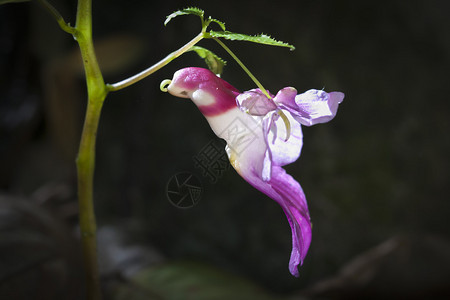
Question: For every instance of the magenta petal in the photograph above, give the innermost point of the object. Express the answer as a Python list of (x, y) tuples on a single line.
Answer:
[(296, 209), (282, 151), (255, 103), (286, 97), (288, 193), (212, 95), (317, 106)]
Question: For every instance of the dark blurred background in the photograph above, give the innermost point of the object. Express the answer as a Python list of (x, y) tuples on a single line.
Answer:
[(376, 177)]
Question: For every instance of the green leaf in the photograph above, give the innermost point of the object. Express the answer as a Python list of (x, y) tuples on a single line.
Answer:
[(220, 23), (215, 63), (186, 11), (260, 39), (12, 1)]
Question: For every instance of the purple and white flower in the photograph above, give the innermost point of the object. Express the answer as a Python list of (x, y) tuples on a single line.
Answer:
[(273, 127)]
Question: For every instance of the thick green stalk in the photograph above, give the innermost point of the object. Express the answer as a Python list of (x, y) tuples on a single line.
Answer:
[(86, 156)]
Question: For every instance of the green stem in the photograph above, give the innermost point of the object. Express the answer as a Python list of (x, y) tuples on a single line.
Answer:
[(86, 156), (88, 228), (129, 81), (256, 81), (96, 88), (64, 26)]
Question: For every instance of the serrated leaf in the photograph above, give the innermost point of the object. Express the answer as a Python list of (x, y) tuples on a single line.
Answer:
[(260, 39), (185, 11), (214, 62), (12, 1), (220, 23)]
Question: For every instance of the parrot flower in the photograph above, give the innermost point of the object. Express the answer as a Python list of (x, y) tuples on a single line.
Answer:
[(262, 135)]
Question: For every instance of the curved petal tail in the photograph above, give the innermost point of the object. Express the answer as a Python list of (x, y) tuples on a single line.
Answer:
[(287, 192), (293, 202)]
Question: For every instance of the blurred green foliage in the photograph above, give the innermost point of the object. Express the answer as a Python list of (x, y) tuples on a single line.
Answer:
[(188, 281)]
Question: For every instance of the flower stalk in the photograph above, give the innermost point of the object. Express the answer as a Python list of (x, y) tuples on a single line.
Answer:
[(133, 79), (241, 64)]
